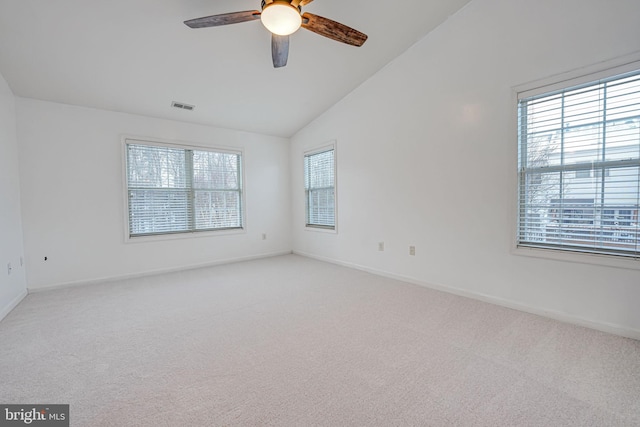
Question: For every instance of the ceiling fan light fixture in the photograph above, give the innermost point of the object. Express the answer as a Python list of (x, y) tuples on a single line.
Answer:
[(281, 18)]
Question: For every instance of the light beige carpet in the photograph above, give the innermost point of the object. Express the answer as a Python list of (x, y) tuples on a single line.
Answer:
[(290, 341)]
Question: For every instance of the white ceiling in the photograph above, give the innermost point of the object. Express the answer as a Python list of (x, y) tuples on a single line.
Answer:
[(137, 56)]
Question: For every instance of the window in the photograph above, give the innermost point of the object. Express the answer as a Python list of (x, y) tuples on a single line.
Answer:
[(319, 185), (172, 189), (579, 167)]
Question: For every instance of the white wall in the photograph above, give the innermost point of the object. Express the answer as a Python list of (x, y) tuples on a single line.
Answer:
[(73, 205), (12, 286), (426, 157)]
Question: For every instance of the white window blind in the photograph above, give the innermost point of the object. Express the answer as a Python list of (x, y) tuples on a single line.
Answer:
[(177, 190), (579, 163), (319, 179)]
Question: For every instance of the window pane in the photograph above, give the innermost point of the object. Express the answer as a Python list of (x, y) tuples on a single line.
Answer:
[(320, 170), (622, 99), (218, 209), (623, 139), (321, 207), (158, 211), (582, 144), (538, 205), (156, 167), (215, 170), (583, 107), (544, 115)]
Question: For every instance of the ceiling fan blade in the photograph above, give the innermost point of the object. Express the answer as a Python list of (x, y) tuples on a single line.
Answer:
[(279, 50), (223, 19), (305, 2), (333, 30)]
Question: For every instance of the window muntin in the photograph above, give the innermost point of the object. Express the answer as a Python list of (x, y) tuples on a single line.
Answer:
[(178, 190), (319, 184), (579, 168)]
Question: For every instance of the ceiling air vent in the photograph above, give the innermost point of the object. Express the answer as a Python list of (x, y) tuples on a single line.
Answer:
[(182, 106)]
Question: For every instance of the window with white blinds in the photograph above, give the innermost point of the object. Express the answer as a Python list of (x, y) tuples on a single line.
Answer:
[(177, 190), (319, 184), (579, 168)]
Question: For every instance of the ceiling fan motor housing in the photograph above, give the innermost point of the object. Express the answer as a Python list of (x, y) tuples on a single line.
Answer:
[(266, 3)]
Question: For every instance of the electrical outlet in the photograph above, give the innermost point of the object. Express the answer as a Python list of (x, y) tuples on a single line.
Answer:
[(9, 268), (412, 250), (264, 236), (381, 246)]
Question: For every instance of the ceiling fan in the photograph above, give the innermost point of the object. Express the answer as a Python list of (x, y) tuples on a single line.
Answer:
[(283, 18)]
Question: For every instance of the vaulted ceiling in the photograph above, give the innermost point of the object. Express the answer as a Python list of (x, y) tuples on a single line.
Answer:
[(137, 56)]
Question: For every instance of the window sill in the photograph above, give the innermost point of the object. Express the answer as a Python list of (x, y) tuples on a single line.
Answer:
[(180, 236), (579, 257), (321, 229)]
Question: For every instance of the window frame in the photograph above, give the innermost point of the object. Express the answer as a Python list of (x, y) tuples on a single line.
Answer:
[(332, 145), (576, 77), (158, 142)]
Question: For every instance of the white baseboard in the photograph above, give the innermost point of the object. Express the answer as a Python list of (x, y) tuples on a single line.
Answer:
[(552, 314), (153, 272), (4, 311)]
